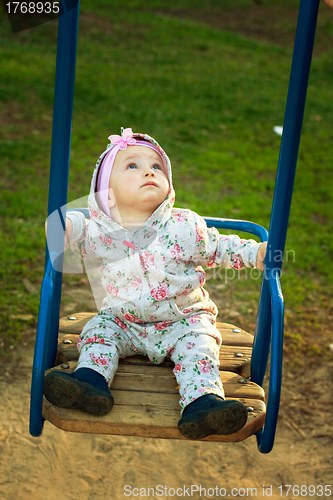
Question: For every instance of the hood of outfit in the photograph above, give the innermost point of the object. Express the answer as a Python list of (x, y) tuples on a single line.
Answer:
[(154, 273)]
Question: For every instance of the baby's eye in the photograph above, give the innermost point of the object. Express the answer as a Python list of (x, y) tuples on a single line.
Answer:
[(131, 166), (156, 166)]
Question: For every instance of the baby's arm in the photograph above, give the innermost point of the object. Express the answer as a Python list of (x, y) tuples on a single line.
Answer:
[(68, 232), (229, 251), (76, 225), (75, 235)]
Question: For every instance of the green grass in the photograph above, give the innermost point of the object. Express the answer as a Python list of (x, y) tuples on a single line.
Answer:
[(211, 98)]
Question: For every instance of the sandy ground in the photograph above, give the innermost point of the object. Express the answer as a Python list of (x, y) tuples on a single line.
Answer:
[(67, 466), (60, 465)]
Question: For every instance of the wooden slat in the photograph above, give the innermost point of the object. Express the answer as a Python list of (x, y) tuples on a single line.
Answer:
[(232, 358), (233, 335), (147, 405), (160, 379), (229, 337), (157, 416), (75, 326)]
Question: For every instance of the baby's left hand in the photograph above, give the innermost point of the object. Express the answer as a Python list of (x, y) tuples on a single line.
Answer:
[(261, 256)]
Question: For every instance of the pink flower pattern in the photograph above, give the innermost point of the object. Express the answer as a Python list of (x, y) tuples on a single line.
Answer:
[(237, 262), (204, 365), (177, 252), (160, 292), (136, 284), (147, 260), (162, 325), (200, 235), (133, 319), (178, 368), (106, 240), (112, 290), (100, 360), (179, 217), (121, 324)]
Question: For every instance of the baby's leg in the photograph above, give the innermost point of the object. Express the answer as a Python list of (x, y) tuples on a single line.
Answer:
[(100, 357), (204, 410), (196, 358), (100, 344)]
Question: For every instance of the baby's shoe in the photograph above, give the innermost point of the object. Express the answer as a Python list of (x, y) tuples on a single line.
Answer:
[(84, 389), (211, 414)]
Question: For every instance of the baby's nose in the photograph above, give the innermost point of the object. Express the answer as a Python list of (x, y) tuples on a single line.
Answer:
[(149, 171)]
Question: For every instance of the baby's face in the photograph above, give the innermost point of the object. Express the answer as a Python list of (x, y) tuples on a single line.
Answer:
[(138, 181)]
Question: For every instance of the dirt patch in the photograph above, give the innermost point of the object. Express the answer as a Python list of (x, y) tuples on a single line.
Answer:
[(270, 23), (60, 465)]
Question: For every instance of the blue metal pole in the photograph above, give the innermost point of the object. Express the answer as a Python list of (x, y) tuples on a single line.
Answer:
[(292, 127), (41, 345), (46, 340), (61, 142)]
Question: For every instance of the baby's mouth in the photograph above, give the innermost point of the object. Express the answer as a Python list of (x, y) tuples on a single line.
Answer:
[(150, 183)]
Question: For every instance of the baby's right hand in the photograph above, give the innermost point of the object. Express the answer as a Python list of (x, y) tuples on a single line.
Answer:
[(68, 232)]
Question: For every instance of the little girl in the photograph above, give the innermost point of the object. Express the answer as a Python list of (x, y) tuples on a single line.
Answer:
[(151, 256)]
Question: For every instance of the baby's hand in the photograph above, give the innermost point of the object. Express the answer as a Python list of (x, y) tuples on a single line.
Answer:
[(68, 232), (261, 256)]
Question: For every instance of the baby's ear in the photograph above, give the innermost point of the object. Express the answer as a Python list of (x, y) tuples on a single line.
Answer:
[(111, 200)]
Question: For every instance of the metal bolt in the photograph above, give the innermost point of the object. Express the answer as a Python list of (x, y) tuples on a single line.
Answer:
[(67, 341), (249, 409), (242, 381), (65, 366), (236, 330), (71, 317), (239, 354)]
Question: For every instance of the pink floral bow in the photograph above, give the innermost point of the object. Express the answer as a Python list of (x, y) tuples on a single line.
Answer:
[(126, 139)]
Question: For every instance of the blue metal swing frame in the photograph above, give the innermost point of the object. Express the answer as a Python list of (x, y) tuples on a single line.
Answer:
[(268, 337)]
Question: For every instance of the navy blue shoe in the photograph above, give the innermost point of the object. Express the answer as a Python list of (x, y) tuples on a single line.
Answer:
[(84, 389), (210, 414)]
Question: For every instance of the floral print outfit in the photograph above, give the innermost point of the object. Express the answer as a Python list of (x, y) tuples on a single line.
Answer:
[(155, 302)]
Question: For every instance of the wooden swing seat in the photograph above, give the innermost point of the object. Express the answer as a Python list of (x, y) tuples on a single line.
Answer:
[(146, 396)]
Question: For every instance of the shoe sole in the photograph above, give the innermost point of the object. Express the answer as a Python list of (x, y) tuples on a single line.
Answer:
[(66, 392), (226, 418)]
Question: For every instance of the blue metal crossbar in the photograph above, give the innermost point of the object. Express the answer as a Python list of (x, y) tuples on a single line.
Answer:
[(238, 225), (274, 337)]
